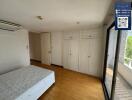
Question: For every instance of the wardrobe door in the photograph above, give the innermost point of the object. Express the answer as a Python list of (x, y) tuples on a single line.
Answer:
[(95, 54), (84, 55), (70, 51), (56, 47), (73, 63), (66, 53)]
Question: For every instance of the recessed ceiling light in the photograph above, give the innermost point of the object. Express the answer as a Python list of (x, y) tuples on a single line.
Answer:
[(39, 17)]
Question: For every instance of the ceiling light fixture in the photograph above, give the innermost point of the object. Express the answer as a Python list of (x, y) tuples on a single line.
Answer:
[(39, 17)]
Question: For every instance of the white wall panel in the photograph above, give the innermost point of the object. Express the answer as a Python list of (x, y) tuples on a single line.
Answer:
[(14, 50)]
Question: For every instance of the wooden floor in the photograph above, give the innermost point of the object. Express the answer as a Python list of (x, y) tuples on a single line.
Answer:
[(72, 85)]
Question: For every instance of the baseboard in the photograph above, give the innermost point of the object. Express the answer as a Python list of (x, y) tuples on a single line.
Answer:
[(57, 65), (35, 60)]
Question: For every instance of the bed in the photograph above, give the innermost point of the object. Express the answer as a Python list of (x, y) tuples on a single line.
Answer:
[(27, 83)]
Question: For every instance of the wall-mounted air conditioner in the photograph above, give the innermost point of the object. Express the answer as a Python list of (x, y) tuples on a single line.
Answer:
[(10, 26)]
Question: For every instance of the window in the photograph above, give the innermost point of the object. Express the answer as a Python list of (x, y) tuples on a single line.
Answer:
[(128, 50)]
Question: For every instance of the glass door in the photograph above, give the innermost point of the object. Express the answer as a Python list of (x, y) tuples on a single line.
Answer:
[(110, 61)]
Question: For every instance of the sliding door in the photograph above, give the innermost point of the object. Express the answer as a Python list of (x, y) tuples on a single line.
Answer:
[(111, 59)]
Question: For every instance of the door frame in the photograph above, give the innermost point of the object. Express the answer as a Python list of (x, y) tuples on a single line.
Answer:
[(115, 62)]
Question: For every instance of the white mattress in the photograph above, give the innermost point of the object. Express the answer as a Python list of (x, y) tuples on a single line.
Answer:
[(27, 83)]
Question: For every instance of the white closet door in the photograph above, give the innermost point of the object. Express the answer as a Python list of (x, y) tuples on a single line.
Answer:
[(84, 52), (74, 53), (46, 48), (56, 44), (70, 51), (66, 53), (95, 54)]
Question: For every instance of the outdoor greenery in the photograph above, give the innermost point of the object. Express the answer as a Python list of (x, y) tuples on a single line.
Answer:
[(129, 47), (128, 53)]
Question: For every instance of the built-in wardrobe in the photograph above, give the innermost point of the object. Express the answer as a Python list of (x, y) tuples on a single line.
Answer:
[(83, 51), (71, 51), (80, 51)]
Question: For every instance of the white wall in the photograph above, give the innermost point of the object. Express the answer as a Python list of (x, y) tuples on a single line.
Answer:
[(56, 46), (14, 51), (35, 46)]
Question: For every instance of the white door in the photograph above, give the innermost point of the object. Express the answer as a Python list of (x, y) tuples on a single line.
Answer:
[(56, 45), (70, 51), (84, 52), (74, 57), (46, 48), (95, 54), (66, 53)]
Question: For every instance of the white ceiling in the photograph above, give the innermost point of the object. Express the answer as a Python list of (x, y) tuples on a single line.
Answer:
[(59, 15)]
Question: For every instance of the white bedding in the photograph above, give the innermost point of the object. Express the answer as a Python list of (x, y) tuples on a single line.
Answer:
[(27, 83)]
